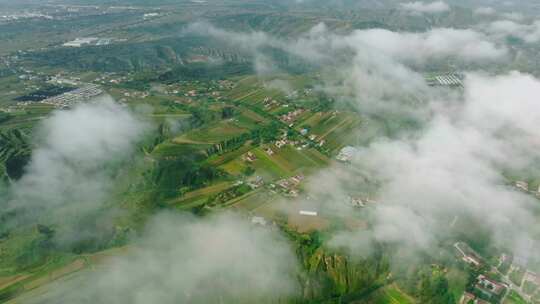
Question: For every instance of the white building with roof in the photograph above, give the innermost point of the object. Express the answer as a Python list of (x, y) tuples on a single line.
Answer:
[(80, 42), (308, 213), (258, 220), (346, 154)]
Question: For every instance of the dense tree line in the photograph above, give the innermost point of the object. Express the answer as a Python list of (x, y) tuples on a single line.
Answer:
[(4, 117), (330, 276), (264, 134), (15, 152), (427, 283), (173, 177), (205, 71)]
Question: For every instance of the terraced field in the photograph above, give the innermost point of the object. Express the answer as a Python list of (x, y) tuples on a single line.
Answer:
[(217, 132), (255, 201), (332, 127), (173, 149), (250, 90), (392, 295), (27, 118), (197, 197)]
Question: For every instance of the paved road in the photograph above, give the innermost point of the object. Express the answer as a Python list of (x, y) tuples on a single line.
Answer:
[(511, 286)]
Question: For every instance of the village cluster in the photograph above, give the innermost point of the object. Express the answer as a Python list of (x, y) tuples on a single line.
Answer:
[(496, 282), (70, 98)]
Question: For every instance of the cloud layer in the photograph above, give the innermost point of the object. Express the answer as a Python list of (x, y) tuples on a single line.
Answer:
[(485, 11), (452, 168), (373, 66), (424, 7), (467, 45), (71, 170), (529, 33), (182, 259)]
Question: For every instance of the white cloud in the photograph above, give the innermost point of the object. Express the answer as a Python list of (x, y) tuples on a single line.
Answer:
[(183, 259), (467, 45), (530, 33), (372, 66), (454, 166), (71, 168), (513, 16), (486, 11), (423, 7), (320, 44)]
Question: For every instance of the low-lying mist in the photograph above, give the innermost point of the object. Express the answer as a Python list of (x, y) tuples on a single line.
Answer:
[(182, 259), (453, 167), (428, 183), (73, 164)]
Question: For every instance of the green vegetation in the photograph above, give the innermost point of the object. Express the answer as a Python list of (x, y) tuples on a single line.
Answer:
[(516, 276), (392, 295), (529, 287), (205, 72), (223, 138), (194, 161), (514, 298), (14, 153)]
